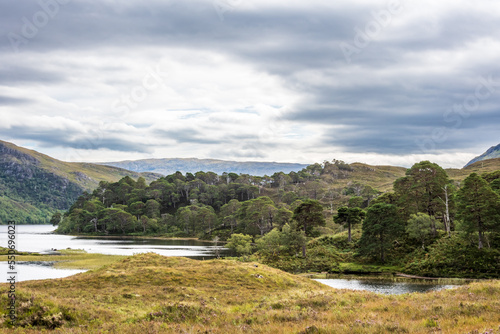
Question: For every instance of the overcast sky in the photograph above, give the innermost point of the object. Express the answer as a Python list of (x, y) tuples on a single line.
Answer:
[(380, 82)]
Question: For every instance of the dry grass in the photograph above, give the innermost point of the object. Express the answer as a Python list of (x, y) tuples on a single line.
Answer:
[(148, 293), (71, 259)]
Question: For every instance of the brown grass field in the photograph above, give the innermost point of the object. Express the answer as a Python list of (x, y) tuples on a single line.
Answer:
[(149, 293)]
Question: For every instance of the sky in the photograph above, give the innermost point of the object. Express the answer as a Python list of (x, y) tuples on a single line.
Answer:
[(379, 82)]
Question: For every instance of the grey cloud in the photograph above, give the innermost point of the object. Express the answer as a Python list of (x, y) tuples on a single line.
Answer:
[(188, 135), (68, 139), (382, 108), (17, 75), (7, 100)]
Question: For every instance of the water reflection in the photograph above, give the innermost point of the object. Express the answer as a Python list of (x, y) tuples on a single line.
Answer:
[(39, 238), (27, 271), (383, 286)]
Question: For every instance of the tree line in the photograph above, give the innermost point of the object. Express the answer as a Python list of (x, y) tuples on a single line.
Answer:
[(194, 205), (289, 214)]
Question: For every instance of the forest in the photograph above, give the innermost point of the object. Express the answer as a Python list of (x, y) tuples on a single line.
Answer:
[(302, 221)]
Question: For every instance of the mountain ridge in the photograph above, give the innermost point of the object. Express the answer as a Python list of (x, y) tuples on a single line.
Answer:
[(167, 166), (491, 153)]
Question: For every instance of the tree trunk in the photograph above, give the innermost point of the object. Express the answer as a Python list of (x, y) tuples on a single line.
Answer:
[(447, 215), (382, 255), (349, 232), (480, 233), (95, 224)]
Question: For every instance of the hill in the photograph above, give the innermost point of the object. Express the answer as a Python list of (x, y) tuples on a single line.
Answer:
[(149, 293), (479, 167), (33, 185), (193, 165), (492, 153)]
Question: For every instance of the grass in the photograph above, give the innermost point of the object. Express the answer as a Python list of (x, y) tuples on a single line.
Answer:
[(479, 167), (68, 259), (149, 293)]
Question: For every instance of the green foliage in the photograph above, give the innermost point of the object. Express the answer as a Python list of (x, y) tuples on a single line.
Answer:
[(240, 243), (479, 207), (421, 227), (257, 215), (422, 189), (349, 216), (341, 242), (272, 244), (455, 256), (288, 241), (23, 213), (56, 218), (321, 258), (380, 228), (356, 202), (387, 198), (308, 215)]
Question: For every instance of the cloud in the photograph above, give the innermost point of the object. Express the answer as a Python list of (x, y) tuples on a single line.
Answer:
[(7, 100), (295, 81)]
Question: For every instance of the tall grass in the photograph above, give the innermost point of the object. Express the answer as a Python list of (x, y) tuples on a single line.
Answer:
[(148, 293)]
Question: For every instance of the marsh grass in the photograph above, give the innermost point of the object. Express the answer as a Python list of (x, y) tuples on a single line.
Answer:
[(149, 293), (70, 259)]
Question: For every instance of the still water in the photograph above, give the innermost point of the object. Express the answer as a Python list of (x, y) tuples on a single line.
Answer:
[(39, 238), (27, 271), (383, 286)]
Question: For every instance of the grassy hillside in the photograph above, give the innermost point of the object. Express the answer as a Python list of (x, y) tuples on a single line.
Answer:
[(148, 293), (86, 175), (479, 167), (378, 177), (33, 185)]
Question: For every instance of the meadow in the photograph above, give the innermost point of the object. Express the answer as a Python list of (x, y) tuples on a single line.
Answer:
[(149, 293)]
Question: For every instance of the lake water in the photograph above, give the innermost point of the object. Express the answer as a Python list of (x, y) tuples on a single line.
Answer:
[(39, 238), (383, 286), (26, 271)]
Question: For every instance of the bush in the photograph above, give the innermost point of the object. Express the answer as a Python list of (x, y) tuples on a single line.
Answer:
[(455, 256)]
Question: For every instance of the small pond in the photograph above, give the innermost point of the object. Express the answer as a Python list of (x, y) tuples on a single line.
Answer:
[(387, 287)]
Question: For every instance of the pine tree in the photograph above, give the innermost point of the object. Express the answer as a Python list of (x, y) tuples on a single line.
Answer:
[(478, 207)]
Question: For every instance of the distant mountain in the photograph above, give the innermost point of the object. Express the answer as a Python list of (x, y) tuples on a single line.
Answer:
[(193, 165), (33, 186), (492, 153)]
